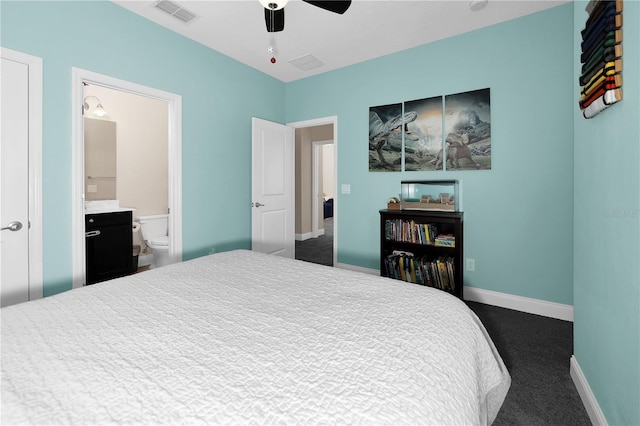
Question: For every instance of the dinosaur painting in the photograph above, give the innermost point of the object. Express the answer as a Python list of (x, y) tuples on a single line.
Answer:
[(380, 132)]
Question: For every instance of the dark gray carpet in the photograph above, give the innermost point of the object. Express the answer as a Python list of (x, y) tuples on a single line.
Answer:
[(318, 250), (536, 351)]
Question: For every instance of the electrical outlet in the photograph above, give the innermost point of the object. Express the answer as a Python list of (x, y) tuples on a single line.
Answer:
[(346, 188), (471, 264)]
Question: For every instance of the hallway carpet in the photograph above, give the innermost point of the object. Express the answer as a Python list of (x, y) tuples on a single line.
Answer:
[(318, 250)]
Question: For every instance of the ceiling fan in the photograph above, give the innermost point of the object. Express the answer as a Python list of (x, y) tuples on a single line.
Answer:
[(274, 11)]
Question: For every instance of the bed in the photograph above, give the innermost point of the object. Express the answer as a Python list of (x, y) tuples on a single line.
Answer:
[(246, 338)]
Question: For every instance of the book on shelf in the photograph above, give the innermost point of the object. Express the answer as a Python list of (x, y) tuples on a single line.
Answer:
[(452, 280), (410, 231), (405, 266), (403, 274), (445, 240)]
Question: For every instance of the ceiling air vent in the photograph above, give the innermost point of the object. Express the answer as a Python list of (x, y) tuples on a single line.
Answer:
[(306, 62), (174, 10)]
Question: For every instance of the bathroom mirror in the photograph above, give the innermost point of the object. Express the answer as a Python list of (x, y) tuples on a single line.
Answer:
[(99, 159)]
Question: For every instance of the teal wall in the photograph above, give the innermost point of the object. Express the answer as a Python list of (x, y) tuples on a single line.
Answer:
[(532, 230), (607, 235), (219, 97), (518, 215), (523, 205)]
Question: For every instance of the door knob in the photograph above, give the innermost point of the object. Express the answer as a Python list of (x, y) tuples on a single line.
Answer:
[(259, 204), (13, 226)]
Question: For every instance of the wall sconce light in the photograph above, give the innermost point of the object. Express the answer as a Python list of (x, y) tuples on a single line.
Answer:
[(99, 110)]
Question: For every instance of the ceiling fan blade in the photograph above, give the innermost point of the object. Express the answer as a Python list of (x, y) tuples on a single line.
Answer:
[(332, 6), (274, 20)]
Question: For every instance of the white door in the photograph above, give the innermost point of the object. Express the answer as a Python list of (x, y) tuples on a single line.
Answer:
[(14, 183), (272, 203)]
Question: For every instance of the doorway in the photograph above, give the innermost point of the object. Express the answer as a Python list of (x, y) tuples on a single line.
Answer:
[(86, 88), (316, 154), (126, 156)]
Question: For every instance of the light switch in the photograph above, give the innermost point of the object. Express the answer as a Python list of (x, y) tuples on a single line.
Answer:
[(92, 188), (346, 188)]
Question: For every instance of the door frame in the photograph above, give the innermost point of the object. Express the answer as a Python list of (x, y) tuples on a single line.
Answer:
[(35, 168), (77, 182), (315, 184), (320, 122)]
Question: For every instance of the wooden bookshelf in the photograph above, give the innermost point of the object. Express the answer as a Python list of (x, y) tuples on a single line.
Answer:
[(423, 247)]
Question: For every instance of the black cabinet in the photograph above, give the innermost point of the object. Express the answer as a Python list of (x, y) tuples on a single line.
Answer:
[(423, 247), (109, 246)]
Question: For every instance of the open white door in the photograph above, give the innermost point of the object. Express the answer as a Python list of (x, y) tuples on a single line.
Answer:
[(272, 206)]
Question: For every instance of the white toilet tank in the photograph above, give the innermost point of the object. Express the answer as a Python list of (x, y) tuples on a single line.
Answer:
[(154, 226)]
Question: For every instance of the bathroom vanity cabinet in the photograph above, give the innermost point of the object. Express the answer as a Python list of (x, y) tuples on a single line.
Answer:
[(109, 245)]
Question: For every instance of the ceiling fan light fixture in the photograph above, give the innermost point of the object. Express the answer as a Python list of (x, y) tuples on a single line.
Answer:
[(476, 5), (273, 4)]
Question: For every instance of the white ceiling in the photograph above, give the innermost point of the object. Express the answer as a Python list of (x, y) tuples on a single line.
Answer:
[(369, 29)]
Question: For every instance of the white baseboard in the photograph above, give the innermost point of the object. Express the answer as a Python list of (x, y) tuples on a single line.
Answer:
[(520, 303), (494, 298), (586, 395), (308, 235), (304, 237), (369, 271)]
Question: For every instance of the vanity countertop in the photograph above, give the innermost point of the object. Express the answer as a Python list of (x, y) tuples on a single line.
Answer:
[(104, 206), (108, 210)]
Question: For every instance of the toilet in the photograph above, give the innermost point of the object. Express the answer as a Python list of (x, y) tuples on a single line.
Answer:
[(155, 230)]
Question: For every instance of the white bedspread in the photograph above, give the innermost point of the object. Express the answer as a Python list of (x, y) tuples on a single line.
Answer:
[(246, 338)]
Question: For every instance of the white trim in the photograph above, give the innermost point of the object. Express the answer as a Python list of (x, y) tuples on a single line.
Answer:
[(362, 269), (586, 395), (34, 64), (314, 189), (519, 303), (494, 298), (308, 235), (320, 122), (77, 180), (315, 185)]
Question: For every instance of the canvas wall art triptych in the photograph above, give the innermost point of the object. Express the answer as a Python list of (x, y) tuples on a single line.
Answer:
[(451, 132)]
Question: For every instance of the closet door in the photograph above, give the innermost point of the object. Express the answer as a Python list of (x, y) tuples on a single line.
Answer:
[(20, 206), (14, 178)]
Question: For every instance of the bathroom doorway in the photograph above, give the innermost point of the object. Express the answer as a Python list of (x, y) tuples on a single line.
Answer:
[(144, 172), (126, 156)]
